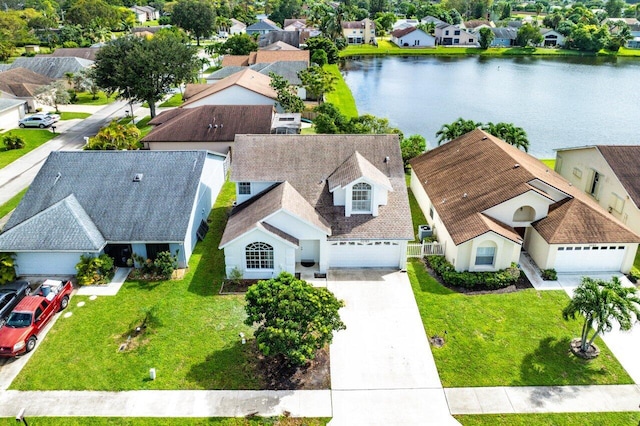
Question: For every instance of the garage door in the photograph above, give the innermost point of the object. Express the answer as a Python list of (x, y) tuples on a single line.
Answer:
[(596, 259), (356, 254), (47, 263), (9, 118)]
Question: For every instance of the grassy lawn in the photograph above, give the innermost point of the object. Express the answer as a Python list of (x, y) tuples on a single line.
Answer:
[(6, 208), (635, 269), (145, 128), (137, 421), (73, 115), (33, 138), (85, 98), (417, 216), (550, 163), (195, 346), (513, 339), (552, 419), (173, 101), (341, 97)]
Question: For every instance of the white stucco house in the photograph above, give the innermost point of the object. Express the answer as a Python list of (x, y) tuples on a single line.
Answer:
[(607, 173), (114, 202), (488, 201), (316, 202), (454, 35), (11, 111), (551, 38), (412, 37)]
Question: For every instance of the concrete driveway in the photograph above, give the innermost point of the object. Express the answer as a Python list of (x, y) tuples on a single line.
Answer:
[(382, 370)]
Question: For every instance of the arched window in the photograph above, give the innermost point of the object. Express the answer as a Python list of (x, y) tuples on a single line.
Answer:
[(486, 254), (259, 256), (524, 214), (361, 197)]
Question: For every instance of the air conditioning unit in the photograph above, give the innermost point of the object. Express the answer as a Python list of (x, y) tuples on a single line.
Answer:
[(424, 231)]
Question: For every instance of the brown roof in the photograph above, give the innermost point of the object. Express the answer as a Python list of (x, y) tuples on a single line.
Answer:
[(311, 159), (282, 196), (475, 23), (210, 123), (269, 56), (249, 79), (356, 167), (22, 82), (478, 171), (192, 89), (288, 22), (623, 160), (403, 32), (235, 60), (279, 45), (353, 24), (75, 52)]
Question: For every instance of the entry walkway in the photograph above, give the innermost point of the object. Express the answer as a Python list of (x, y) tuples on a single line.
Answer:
[(110, 289)]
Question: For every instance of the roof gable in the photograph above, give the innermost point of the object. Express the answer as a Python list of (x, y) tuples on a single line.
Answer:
[(52, 67), (623, 160), (247, 79), (22, 82), (356, 167)]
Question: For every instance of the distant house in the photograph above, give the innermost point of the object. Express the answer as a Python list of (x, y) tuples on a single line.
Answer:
[(210, 127), (11, 111), (634, 27), (22, 84), (114, 202), (359, 32), (279, 45), (235, 28), (551, 38), (607, 173), (401, 24), (145, 13), (412, 37), (431, 20), (88, 53), (453, 35), (474, 25), (263, 26), (289, 37), (148, 31), (295, 24), (267, 56), (52, 67), (504, 37)]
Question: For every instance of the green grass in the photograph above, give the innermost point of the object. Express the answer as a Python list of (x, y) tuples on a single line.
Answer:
[(196, 345), (7, 207), (341, 97), (635, 269), (550, 163), (85, 98), (73, 115), (135, 421), (308, 131), (552, 419), (143, 125), (173, 101), (417, 216), (513, 339), (33, 138)]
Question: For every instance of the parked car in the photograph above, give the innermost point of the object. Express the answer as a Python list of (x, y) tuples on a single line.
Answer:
[(55, 117), (36, 120), (19, 334), (10, 295)]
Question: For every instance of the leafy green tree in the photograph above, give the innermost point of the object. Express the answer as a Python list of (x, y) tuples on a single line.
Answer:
[(12, 141), (53, 94), (84, 82), (6, 49), (588, 38), (552, 20), (370, 124), (239, 44), (378, 6), (601, 303), (620, 34), (317, 81), (287, 94), (411, 147), (509, 133), (194, 16), (7, 267), (486, 37), (614, 8), (145, 70), (528, 35), (115, 136), (92, 13), (384, 21), (329, 120), (319, 57), (506, 11), (456, 129), (285, 9), (321, 43), (294, 319)]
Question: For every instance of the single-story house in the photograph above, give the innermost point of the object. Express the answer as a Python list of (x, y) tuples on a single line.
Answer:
[(290, 37), (504, 36), (114, 202), (11, 111), (295, 24), (266, 57), (88, 53), (263, 26), (412, 37), (607, 173), (236, 27), (210, 127), (401, 24), (431, 20), (551, 38), (52, 66), (22, 84), (145, 13), (315, 202), (359, 32), (488, 201), (454, 35)]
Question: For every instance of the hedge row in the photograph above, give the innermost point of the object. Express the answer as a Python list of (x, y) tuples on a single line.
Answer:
[(492, 280)]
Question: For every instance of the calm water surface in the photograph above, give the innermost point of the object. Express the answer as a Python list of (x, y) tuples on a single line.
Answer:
[(560, 102)]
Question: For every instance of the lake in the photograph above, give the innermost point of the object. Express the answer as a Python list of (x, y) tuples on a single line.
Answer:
[(560, 102)]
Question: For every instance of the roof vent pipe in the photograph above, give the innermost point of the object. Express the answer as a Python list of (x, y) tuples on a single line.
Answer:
[(58, 176), (138, 177), (515, 166)]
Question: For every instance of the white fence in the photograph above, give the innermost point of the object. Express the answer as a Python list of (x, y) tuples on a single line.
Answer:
[(425, 249)]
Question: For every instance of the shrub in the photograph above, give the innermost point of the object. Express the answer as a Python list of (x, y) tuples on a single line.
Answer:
[(549, 275), (69, 44), (164, 20), (235, 276), (7, 267), (159, 269), (492, 280), (94, 270), (13, 142), (165, 264)]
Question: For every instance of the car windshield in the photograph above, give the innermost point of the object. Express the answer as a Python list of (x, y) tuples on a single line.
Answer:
[(19, 320)]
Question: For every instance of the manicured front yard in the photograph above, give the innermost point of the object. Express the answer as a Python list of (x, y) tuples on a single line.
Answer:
[(133, 421), (64, 115), (551, 419), (86, 98), (173, 101), (513, 339), (195, 345), (33, 138)]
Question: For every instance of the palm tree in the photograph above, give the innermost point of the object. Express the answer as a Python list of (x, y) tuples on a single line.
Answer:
[(601, 302), (456, 129), (509, 133)]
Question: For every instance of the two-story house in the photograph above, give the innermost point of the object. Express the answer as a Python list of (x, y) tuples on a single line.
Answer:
[(454, 35), (359, 32)]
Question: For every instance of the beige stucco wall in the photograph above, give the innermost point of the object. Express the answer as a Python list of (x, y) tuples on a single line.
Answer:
[(538, 249)]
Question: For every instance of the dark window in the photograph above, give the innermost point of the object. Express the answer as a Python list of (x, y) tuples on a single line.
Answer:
[(154, 249), (431, 212), (244, 188), (594, 184), (456, 32), (38, 313), (3, 301)]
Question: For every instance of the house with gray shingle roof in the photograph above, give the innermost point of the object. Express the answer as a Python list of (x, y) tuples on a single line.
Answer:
[(114, 202), (52, 67), (488, 202), (309, 203), (263, 26)]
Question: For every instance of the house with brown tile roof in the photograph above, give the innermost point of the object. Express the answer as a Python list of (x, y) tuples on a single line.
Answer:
[(22, 83), (210, 127), (609, 174), (309, 203), (266, 57), (488, 202)]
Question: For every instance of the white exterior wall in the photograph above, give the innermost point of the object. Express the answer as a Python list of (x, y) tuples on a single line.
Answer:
[(378, 197), (415, 38), (284, 255), (234, 95), (504, 212), (584, 161), (9, 118), (221, 147), (256, 188)]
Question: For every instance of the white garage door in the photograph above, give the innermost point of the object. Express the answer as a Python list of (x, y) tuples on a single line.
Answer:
[(373, 254), (47, 263), (9, 118), (595, 259)]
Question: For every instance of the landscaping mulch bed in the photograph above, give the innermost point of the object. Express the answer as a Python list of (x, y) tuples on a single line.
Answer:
[(236, 287), (315, 375)]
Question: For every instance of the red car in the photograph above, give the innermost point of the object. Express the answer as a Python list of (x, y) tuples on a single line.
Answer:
[(20, 333)]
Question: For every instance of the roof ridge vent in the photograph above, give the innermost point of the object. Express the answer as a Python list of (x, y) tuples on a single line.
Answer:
[(138, 177), (515, 166)]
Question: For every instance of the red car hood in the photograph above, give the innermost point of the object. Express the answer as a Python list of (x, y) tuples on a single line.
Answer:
[(9, 336)]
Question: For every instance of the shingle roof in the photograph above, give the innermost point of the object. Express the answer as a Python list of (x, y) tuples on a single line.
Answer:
[(282, 196), (623, 160), (192, 124), (288, 70), (22, 82), (288, 22), (477, 171), (64, 226), (6, 104), (403, 32), (271, 56), (290, 37), (262, 25), (505, 33), (156, 209), (248, 79), (52, 67), (235, 61), (279, 45), (354, 24), (225, 72), (354, 168), (74, 52), (309, 161)]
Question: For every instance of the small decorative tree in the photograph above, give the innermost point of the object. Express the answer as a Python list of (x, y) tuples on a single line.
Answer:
[(13, 142), (53, 95), (7, 267)]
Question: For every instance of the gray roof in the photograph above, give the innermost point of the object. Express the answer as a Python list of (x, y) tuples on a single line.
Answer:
[(156, 209), (287, 69), (290, 37), (225, 72), (52, 67), (263, 25), (65, 226), (509, 33), (6, 104), (312, 159), (4, 67)]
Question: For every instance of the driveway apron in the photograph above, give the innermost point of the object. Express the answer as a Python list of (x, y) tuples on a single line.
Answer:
[(382, 369)]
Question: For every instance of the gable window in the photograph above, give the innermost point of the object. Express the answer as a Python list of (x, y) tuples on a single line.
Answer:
[(485, 256), (446, 32), (259, 256), (361, 197), (456, 32), (593, 188), (244, 188)]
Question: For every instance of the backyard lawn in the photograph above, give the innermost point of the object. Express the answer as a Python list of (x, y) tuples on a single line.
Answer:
[(512, 339), (341, 97), (173, 101), (195, 344), (135, 421), (33, 138), (552, 419)]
